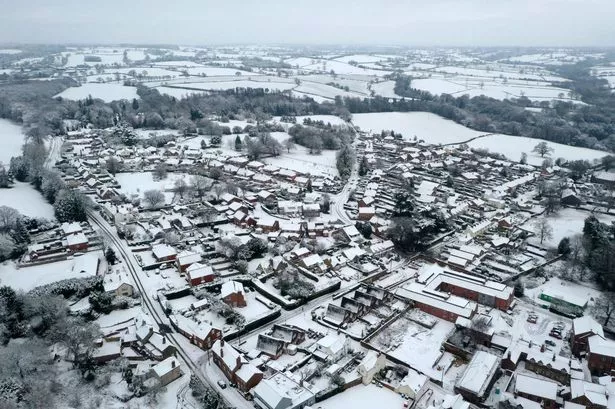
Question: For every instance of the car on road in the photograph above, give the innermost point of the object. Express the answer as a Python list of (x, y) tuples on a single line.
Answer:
[(221, 384), (549, 342)]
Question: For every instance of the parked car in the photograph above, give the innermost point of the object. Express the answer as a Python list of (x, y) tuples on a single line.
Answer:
[(221, 384), (549, 342)]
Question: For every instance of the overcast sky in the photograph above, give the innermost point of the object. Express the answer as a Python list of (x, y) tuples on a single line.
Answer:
[(406, 22)]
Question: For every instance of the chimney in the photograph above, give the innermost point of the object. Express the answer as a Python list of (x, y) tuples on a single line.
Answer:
[(173, 363), (164, 340)]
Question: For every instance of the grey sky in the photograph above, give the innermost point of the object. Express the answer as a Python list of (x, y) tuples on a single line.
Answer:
[(409, 22)]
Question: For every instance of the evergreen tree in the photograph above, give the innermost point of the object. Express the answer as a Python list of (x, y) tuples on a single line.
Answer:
[(110, 255), (70, 206), (363, 168), (238, 143)]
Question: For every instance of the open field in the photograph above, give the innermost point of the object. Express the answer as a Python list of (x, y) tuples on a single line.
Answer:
[(429, 127), (514, 146), (11, 140), (106, 92)]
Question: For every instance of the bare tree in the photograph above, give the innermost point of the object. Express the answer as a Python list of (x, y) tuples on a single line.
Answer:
[(153, 197), (180, 187), (604, 307), (200, 185), (160, 171), (8, 218), (543, 229), (289, 144), (542, 149)]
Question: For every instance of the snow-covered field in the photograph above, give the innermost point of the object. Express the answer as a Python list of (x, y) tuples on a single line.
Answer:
[(331, 119), (27, 278), (567, 222), (178, 93), (139, 182), (10, 51), (514, 146), (218, 71), (106, 92), (11, 140), (26, 199), (493, 89), (426, 126), (324, 90), (385, 89), (364, 397), (222, 85), (300, 160)]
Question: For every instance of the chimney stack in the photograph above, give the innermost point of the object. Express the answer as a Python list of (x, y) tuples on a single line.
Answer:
[(173, 363)]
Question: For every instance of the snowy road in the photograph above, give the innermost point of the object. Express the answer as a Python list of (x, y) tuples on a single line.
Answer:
[(125, 253)]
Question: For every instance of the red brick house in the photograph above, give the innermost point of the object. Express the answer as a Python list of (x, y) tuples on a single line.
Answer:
[(164, 252), (268, 225), (202, 335), (233, 294), (198, 273), (185, 259), (600, 355), (236, 369), (77, 242), (582, 329)]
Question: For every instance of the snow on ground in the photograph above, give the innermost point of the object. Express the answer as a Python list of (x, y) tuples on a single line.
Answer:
[(360, 58), (414, 344), (342, 68), (429, 127), (493, 89), (316, 98), (185, 63), (568, 222), (26, 278), (11, 140), (354, 83), (10, 51), (26, 199), (364, 397), (240, 83), (118, 316), (218, 71), (300, 160), (151, 71), (178, 93), (332, 119), (385, 89), (106, 92), (538, 75), (324, 90), (105, 59), (138, 182), (556, 285), (514, 146)]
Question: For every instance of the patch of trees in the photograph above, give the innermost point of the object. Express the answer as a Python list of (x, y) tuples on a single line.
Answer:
[(599, 244), (14, 236), (291, 284), (262, 144), (235, 250), (317, 139), (412, 228), (345, 160)]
